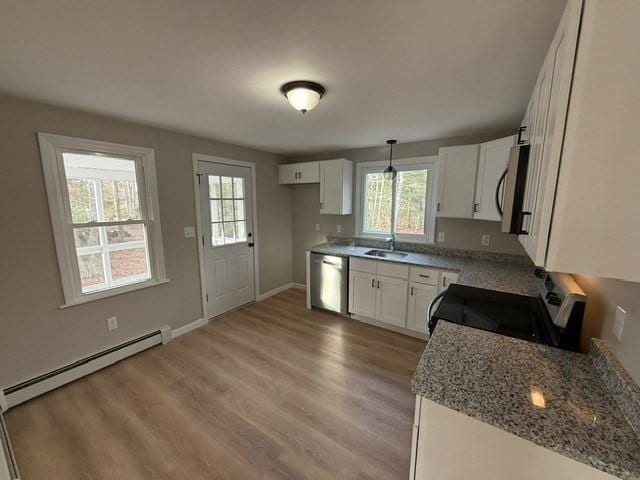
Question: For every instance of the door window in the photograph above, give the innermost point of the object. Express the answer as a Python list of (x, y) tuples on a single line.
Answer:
[(227, 210)]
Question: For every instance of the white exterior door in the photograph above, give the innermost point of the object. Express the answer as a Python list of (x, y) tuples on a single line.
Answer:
[(226, 198)]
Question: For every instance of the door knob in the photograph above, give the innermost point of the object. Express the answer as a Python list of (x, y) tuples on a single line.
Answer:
[(250, 244)]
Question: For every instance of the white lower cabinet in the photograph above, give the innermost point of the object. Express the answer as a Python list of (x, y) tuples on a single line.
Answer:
[(391, 300), (395, 293), (453, 446), (362, 293), (420, 296)]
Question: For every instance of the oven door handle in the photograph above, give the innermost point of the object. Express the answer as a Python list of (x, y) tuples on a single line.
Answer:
[(431, 308)]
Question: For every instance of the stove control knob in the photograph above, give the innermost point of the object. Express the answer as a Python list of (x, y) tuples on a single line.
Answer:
[(554, 299)]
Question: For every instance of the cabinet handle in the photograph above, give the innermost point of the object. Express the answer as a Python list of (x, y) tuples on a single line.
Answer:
[(373, 283), (411, 292), (423, 275), (378, 283), (438, 208), (475, 207), (300, 175), (321, 205), (444, 281)]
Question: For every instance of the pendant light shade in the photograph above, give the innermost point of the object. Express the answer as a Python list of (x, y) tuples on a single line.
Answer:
[(303, 95), (390, 172)]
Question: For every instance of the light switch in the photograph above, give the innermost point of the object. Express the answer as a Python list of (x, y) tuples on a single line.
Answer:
[(440, 237), (189, 232), (486, 239), (317, 227), (112, 323), (618, 322), (339, 228)]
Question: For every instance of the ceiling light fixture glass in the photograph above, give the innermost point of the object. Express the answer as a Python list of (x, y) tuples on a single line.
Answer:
[(303, 95), (390, 172)]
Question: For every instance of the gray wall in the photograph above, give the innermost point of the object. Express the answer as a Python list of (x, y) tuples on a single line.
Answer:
[(603, 297), (459, 233), (35, 335)]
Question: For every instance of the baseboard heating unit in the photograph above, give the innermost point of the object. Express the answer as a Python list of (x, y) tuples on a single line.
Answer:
[(46, 382)]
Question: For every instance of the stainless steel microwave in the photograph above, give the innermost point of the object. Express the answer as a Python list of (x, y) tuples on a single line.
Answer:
[(510, 194)]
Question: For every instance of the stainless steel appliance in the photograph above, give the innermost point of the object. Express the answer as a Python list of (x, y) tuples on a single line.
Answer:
[(510, 196), (554, 317), (329, 282)]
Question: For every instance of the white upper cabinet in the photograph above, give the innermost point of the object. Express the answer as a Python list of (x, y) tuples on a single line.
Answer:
[(581, 189), (457, 167), (492, 163), (306, 172), (336, 185)]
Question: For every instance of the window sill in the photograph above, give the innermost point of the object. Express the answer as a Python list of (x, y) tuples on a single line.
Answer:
[(115, 292), (400, 239)]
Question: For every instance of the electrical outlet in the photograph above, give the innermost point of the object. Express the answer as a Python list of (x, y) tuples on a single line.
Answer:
[(339, 228), (486, 239), (317, 227), (112, 323), (618, 322), (440, 237), (189, 232)]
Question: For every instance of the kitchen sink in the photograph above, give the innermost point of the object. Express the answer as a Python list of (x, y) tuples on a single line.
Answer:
[(391, 255)]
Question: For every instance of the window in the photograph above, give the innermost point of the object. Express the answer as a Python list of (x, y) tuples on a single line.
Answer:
[(404, 206), (228, 221), (104, 211)]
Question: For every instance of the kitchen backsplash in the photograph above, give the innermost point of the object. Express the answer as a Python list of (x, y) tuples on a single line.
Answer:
[(432, 249)]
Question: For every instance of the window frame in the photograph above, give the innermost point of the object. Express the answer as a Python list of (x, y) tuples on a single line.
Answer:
[(430, 163), (52, 148)]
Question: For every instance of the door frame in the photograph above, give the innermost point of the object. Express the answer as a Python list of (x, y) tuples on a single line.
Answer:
[(202, 157)]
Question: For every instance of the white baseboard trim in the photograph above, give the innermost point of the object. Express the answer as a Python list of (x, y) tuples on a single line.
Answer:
[(176, 332), (275, 291), (36, 386)]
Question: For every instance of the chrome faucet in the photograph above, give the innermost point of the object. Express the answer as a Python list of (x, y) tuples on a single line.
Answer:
[(392, 242)]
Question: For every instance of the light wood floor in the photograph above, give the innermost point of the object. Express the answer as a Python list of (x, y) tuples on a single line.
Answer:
[(271, 391)]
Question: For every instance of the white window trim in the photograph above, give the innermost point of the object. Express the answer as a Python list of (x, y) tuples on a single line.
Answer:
[(429, 162), (51, 148)]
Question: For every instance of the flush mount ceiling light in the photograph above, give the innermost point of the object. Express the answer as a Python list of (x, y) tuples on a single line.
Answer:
[(303, 95), (390, 172)]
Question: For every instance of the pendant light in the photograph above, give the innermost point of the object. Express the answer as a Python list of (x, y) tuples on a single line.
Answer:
[(390, 172), (303, 95)]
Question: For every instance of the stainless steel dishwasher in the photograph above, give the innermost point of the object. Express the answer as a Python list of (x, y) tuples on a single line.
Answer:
[(329, 282)]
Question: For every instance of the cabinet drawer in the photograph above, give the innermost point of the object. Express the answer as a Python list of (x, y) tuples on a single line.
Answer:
[(360, 265), (395, 270), (428, 276)]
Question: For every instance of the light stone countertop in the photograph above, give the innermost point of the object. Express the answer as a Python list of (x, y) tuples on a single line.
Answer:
[(494, 378), (490, 272)]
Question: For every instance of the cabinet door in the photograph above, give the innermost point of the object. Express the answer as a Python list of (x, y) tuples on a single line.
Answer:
[(362, 293), (457, 167), (420, 296), (336, 180), (447, 278), (308, 172), (287, 174), (391, 300), (492, 163)]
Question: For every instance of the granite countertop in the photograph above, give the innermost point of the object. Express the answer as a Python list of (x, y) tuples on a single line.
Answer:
[(491, 271), (495, 379)]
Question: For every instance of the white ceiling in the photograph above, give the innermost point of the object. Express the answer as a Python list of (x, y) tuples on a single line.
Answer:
[(411, 69)]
